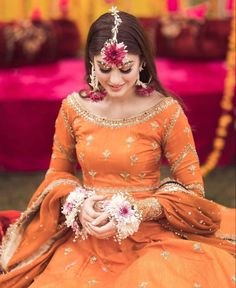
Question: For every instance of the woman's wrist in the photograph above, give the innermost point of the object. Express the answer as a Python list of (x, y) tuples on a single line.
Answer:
[(124, 214), (72, 207), (150, 208)]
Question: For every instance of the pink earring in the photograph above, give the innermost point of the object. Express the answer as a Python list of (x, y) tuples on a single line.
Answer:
[(96, 94), (143, 89)]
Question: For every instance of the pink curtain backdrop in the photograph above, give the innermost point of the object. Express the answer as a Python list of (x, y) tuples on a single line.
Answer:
[(30, 98)]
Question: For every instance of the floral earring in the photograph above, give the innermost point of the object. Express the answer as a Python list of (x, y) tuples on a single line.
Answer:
[(96, 94), (143, 89)]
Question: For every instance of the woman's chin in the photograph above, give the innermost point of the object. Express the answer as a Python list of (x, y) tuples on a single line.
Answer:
[(114, 93), (118, 93)]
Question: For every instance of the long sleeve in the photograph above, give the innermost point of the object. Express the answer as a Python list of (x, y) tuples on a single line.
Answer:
[(63, 157), (179, 203)]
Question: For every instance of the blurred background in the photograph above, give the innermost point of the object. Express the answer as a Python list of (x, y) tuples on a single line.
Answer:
[(41, 62)]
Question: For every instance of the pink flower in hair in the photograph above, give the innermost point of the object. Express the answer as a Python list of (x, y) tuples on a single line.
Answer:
[(114, 53)]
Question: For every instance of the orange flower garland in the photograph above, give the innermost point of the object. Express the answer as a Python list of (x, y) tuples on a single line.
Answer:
[(226, 105)]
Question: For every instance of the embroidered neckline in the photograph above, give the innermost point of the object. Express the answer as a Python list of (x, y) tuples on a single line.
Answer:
[(161, 105)]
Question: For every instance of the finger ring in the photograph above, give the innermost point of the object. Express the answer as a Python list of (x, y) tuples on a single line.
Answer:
[(99, 206)]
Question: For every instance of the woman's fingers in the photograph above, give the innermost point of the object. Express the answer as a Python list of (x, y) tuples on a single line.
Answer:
[(106, 230), (89, 205), (95, 198), (101, 220)]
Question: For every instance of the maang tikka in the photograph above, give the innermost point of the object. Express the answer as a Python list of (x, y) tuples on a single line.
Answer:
[(114, 53)]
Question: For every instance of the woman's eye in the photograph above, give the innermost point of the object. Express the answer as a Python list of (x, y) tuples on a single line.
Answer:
[(105, 70), (125, 71)]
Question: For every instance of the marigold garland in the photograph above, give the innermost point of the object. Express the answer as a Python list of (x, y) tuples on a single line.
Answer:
[(226, 105)]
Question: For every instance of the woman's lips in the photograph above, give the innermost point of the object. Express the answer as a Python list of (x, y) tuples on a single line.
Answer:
[(116, 87)]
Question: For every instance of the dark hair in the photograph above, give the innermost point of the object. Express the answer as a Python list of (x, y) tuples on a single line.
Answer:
[(133, 35)]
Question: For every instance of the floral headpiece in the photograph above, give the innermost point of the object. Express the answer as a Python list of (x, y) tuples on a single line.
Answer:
[(112, 51)]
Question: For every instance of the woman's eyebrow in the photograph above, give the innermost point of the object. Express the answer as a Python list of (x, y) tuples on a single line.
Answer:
[(128, 62), (102, 63)]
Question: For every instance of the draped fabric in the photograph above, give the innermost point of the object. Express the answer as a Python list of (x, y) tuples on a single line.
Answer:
[(122, 155)]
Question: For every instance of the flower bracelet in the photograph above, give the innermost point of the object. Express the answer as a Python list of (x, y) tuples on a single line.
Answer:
[(124, 213), (72, 208)]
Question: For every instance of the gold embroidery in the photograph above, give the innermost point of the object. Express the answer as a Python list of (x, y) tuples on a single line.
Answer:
[(93, 259), (183, 154), (174, 187), (67, 122), (143, 285), (197, 247), (133, 159), (187, 131), (226, 236), (198, 187), (125, 175), (53, 156), (107, 190), (158, 158), (196, 285), (165, 254), (234, 278), (142, 175), (67, 250), (92, 282), (89, 140), (81, 156), (70, 265), (192, 169), (164, 103), (168, 156), (92, 173), (154, 125), (154, 145), (50, 170), (76, 121), (68, 153), (106, 154), (150, 208), (130, 140), (171, 125)]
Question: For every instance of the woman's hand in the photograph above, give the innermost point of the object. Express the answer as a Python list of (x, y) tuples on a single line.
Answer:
[(88, 212), (102, 227)]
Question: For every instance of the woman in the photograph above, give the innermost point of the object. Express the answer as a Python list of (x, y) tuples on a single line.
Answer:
[(121, 227)]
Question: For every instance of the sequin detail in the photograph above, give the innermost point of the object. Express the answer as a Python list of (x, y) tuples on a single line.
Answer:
[(189, 148), (106, 154), (165, 254), (112, 190), (171, 125), (73, 101), (65, 116), (150, 208), (196, 186)]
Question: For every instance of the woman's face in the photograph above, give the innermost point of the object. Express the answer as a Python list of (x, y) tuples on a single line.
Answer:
[(118, 81)]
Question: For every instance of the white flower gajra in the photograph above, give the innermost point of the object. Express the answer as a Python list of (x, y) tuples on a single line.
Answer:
[(125, 215), (72, 207)]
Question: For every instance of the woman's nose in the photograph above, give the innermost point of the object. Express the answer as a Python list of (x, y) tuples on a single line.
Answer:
[(115, 77)]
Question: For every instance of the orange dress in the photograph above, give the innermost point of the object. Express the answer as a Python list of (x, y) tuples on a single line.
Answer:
[(189, 247)]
